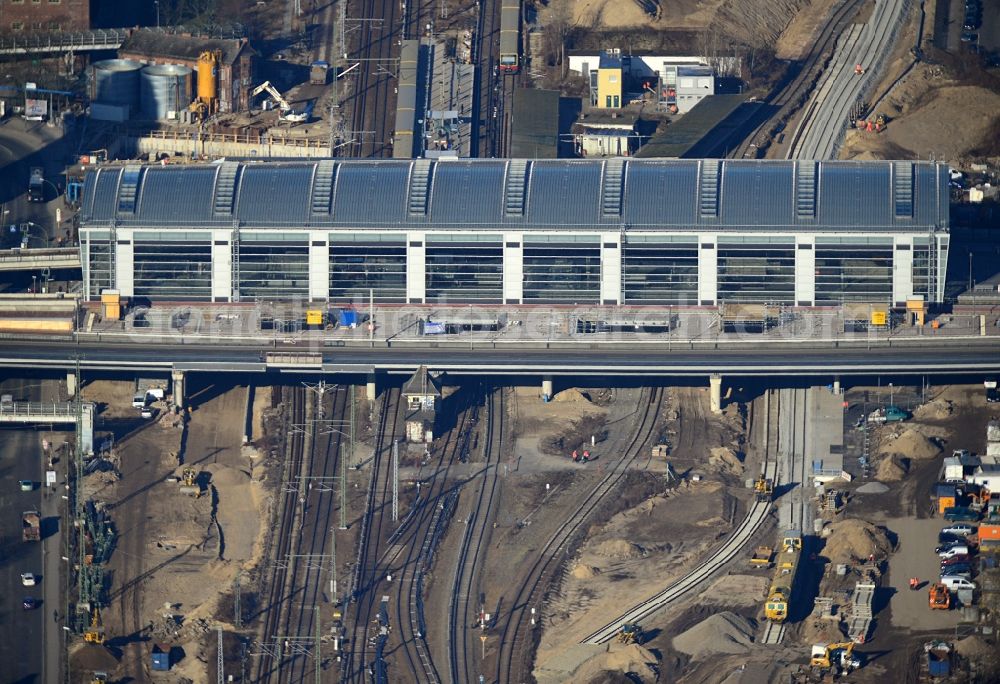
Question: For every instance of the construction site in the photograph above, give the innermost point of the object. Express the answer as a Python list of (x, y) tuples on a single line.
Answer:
[(444, 530)]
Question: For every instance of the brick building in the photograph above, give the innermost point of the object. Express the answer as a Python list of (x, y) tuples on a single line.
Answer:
[(236, 68), (44, 15)]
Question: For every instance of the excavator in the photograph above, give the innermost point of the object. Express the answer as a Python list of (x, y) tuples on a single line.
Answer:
[(938, 597), (286, 109), (763, 488), (629, 633), (189, 483), (831, 656), (94, 633)]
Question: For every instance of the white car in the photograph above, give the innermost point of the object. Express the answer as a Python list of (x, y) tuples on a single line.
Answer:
[(27, 579), (959, 529), (957, 550)]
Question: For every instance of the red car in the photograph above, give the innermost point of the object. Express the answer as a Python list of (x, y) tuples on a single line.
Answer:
[(961, 558)]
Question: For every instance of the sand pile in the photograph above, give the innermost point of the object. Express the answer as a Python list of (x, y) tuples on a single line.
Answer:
[(721, 633), (890, 469), (571, 395), (853, 539), (584, 571), (620, 549), (939, 409), (912, 444), (92, 657), (629, 659), (974, 647), (725, 459), (872, 488)]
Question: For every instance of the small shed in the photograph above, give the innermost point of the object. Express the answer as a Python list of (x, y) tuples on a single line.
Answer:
[(160, 658), (987, 475), (422, 392)]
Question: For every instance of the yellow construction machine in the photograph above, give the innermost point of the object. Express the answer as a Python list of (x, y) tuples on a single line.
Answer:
[(834, 656), (764, 488), (189, 483), (94, 633), (629, 634)]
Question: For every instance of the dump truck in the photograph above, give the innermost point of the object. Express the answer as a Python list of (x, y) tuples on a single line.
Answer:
[(761, 557), (319, 72), (31, 526), (889, 414)]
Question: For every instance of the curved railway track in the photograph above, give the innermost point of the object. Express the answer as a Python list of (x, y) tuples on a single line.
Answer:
[(717, 558), (516, 640), (475, 543), (793, 94)]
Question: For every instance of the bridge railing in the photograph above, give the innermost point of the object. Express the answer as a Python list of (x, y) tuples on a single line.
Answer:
[(99, 39), (21, 410)]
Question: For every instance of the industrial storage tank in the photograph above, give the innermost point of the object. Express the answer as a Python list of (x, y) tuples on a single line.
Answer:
[(208, 76), (116, 81), (165, 88)]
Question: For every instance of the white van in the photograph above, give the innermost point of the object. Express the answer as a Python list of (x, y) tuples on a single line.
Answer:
[(139, 400), (955, 583)]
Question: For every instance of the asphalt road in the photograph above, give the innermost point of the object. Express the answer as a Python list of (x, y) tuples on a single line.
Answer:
[(626, 360), (21, 631)]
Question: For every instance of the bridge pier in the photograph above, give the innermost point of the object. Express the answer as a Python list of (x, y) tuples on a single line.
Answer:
[(546, 388), (371, 391), (836, 385), (715, 387), (178, 393), (71, 384)]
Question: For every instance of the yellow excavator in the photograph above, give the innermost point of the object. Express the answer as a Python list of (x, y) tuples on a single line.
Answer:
[(189, 483), (763, 488), (629, 634), (94, 633), (834, 656)]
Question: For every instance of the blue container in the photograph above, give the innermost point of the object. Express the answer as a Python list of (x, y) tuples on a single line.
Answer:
[(161, 660), (347, 318)]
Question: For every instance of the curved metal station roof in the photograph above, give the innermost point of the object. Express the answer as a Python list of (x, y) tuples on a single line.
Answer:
[(611, 194)]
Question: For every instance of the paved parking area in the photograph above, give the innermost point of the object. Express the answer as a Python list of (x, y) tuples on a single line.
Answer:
[(916, 558)]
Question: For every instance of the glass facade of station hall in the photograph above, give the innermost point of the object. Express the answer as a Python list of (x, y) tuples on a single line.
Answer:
[(552, 232)]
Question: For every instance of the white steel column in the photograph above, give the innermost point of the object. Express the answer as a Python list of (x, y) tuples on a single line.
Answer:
[(513, 268), (319, 266), (708, 269), (416, 277), (611, 268), (222, 266), (805, 270), (902, 268), (124, 263)]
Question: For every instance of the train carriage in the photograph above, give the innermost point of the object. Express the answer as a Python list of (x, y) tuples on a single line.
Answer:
[(779, 595), (510, 36)]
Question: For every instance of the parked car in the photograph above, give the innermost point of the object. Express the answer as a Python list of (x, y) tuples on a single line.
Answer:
[(971, 23), (29, 603), (993, 395), (954, 551), (960, 514), (26, 485), (956, 560), (945, 538), (959, 529), (955, 583), (28, 579), (959, 569), (948, 545), (969, 37)]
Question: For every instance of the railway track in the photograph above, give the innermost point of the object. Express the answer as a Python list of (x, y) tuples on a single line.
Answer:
[(318, 522), (471, 555), (283, 541), (372, 96), (516, 640), (793, 93), (373, 526), (718, 558)]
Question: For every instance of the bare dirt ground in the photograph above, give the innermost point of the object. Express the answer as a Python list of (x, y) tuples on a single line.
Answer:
[(795, 39), (168, 539)]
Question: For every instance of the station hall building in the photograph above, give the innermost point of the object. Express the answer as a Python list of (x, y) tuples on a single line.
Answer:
[(634, 232)]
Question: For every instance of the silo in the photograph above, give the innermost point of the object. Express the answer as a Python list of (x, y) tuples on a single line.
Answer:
[(116, 81), (165, 88)]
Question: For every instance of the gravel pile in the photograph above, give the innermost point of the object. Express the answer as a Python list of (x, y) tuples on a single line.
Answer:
[(721, 633)]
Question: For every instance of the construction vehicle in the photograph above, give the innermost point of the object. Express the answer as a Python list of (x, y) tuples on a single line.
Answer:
[(938, 597), (319, 72), (286, 112), (189, 483), (834, 656), (95, 633), (763, 489), (629, 633), (31, 526), (761, 557), (780, 594), (99, 678)]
